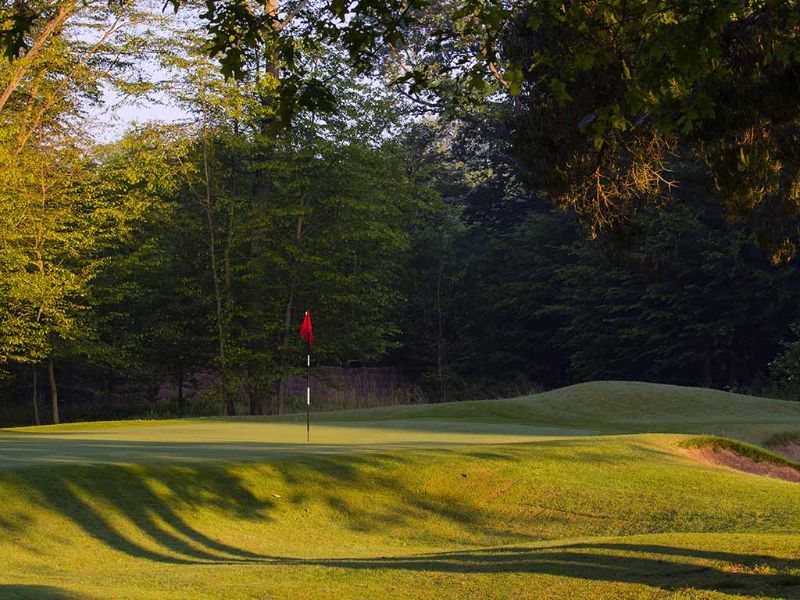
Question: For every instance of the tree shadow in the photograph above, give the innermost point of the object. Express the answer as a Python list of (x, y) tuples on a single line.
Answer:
[(140, 510), (668, 568), (109, 502), (34, 592), (25, 450)]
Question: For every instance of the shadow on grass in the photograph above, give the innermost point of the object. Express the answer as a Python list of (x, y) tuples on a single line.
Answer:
[(111, 502), (20, 451), (141, 511), (34, 592), (665, 567)]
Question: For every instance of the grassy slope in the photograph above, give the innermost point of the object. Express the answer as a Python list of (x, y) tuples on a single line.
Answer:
[(605, 406), (609, 516)]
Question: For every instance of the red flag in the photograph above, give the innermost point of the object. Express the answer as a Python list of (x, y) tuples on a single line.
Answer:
[(306, 331)]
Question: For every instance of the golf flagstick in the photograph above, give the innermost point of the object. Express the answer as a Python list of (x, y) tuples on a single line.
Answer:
[(308, 392), (307, 333)]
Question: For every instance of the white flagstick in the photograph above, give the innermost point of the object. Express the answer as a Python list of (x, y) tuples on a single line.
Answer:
[(308, 392), (305, 332)]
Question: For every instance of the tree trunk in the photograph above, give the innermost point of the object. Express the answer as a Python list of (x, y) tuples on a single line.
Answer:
[(227, 401), (35, 395), (256, 399), (110, 385), (262, 192), (23, 64), (282, 396), (261, 197), (53, 390), (287, 324), (226, 254), (440, 324), (708, 379), (181, 399), (256, 403)]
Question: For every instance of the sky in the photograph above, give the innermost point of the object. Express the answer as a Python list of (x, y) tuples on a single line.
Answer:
[(115, 113), (114, 116)]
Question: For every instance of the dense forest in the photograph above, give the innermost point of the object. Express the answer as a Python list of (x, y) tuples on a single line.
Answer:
[(493, 197)]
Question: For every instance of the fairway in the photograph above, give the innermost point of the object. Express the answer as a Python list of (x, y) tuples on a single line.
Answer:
[(580, 492)]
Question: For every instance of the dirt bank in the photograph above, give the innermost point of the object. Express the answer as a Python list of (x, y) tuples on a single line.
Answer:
[(789, 449), (728, 458)]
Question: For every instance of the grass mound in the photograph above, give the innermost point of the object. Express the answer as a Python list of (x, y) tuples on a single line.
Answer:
[(613, 407), (599, 408), (609, 407), (596, 403)]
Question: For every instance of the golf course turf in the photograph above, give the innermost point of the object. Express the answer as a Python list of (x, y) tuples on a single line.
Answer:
[(588, 491)]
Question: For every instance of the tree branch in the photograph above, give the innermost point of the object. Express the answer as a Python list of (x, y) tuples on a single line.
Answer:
[(24, 136), (292, 14), (24, 63)]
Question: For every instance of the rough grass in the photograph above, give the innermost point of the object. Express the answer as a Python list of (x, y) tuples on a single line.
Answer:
[(783, 438), (560, 495)]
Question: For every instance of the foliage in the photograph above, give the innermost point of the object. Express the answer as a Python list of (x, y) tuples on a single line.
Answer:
[(440, 222), (55, 227), (783, 438), (785, 369), (620, 95), (683, 297)]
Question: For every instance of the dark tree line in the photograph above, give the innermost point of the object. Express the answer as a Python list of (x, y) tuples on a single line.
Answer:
[(682, 294), (544, 193)]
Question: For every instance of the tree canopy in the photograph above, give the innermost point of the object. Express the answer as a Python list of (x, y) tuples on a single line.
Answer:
[(489, 195)]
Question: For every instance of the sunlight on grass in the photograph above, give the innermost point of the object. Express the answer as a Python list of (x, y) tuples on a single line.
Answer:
[(449, 507)]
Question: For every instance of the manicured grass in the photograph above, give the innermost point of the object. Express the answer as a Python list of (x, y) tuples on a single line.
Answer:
[(603, 407), (560, 495)]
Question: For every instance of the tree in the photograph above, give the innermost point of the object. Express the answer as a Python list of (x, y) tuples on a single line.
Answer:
[(53, 224), (611, 96), (689, 300), (620, 96), (43, 278), (785, 369), (151, 313)]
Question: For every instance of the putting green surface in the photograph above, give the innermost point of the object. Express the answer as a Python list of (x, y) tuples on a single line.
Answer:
[(580, 492), (239, 440)]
